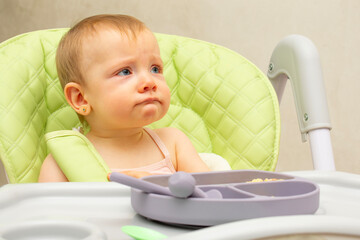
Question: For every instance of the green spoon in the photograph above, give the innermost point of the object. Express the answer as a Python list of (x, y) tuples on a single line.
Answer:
[(141, 233)]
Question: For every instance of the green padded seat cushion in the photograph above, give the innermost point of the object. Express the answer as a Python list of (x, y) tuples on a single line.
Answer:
[(220, 100)]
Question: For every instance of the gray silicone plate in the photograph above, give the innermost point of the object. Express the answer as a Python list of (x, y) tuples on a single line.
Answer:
[(241, 200)]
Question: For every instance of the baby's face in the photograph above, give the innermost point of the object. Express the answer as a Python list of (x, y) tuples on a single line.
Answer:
[(124, 82)]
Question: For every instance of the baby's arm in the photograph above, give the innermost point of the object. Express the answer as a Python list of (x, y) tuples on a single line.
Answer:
[(188, 159), (51, 172)]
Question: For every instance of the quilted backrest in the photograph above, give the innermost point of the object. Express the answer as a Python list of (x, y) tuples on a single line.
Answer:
[(219, 99)]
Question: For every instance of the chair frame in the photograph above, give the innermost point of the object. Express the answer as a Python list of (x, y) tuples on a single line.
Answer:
[(296, 58)]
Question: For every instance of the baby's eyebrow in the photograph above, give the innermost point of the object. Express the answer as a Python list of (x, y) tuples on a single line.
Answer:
[(125, 59), (157, 57), (121, 62)]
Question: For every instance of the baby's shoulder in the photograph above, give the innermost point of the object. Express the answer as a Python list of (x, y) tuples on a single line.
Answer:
[(169, 133), (167, 130)]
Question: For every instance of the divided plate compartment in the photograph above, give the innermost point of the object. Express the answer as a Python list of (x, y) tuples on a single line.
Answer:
[(241, 200)]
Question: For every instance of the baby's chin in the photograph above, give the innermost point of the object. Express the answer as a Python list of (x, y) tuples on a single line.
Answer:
[(153, 112), (150, 118)]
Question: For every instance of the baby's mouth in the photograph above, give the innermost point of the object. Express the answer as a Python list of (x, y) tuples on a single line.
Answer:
[(149, 100)]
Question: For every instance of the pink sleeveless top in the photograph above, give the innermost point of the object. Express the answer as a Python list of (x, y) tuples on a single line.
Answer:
[(163, 167)]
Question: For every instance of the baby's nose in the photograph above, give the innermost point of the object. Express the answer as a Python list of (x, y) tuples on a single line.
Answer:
[(147, 84)]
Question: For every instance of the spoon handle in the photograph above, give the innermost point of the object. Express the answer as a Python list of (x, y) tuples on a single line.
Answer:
[(143, 185)]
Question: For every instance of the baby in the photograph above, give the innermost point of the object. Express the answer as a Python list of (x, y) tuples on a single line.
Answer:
[(112, 74)]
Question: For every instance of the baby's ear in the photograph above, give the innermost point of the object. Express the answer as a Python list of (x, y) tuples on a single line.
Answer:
[(75, 97)]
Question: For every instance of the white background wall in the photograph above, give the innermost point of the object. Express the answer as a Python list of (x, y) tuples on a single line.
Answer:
[(251, 28)]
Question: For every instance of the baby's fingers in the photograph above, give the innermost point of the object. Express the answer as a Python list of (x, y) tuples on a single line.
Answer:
[(136, 174)]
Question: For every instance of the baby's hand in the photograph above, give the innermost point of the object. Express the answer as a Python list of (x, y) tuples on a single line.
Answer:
[(136, 174)]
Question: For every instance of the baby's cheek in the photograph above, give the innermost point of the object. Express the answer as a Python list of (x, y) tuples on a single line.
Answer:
[(167, 93), (167, 102)]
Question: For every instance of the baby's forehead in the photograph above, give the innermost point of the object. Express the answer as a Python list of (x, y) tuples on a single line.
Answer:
[(98, 45), (94, 41), (100, 36)]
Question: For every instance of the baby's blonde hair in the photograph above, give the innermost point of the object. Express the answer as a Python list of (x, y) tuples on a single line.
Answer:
[(69, 52)]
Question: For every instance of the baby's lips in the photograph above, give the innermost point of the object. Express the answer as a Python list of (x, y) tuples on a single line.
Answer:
[(149, 100)]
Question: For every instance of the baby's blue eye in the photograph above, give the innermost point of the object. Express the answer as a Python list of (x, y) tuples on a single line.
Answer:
[(124, 72), (155, 70)]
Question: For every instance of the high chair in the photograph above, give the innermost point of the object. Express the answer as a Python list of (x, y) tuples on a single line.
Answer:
[(219, 99)]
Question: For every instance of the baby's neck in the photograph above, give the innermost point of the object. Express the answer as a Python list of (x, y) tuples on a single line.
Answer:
[(123, 136)]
